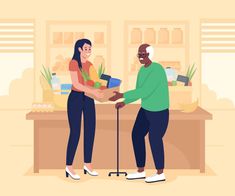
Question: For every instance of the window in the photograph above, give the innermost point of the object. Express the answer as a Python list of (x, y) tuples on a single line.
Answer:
[(16, 53), (218, 63)]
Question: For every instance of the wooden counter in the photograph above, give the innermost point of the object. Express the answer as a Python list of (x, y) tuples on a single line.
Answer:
[(184, 140)]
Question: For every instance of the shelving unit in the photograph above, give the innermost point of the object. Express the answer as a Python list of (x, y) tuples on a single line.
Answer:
[(176, 54), (60, 49)]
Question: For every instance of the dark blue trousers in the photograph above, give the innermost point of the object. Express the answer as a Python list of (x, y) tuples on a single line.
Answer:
[(79, 103), (154, 123)]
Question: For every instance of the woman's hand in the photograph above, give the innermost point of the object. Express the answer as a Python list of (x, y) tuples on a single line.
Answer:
[(97, 93), (116, 96), (120, 105)]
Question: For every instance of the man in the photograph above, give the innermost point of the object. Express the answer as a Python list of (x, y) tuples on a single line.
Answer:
[(153, 116)]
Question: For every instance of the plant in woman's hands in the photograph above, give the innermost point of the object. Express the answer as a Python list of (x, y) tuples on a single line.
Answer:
[(101, 70), (87, 78)]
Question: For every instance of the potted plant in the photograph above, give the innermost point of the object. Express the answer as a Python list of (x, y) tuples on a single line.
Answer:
[(45, 81), (190, 73)]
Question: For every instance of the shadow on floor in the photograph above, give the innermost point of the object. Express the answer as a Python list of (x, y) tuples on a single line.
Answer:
[(171, 174)]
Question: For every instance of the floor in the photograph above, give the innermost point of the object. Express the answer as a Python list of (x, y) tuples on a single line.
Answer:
[(17, 177)]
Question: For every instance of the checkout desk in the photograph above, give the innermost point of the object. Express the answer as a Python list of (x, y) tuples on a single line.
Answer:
[(184, 139)]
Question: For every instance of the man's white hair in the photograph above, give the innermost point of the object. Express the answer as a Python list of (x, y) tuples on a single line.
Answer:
[(150, 50)]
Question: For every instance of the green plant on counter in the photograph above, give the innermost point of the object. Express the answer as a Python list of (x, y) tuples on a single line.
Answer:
[(101, 70), (191, 71), (46, 73), (174, 83)]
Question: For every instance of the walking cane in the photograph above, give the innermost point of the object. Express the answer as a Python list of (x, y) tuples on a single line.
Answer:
[(117, 172)]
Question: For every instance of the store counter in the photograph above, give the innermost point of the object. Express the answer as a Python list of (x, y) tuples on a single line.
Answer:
[(184, 140)]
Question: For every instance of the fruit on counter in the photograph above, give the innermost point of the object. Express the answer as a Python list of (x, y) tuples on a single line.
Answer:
[(97, 85), (188, 108)]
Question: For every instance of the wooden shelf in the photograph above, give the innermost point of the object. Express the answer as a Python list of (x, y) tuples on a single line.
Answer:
[(87, 27), (72, 45), (159, 45), (181, 53)]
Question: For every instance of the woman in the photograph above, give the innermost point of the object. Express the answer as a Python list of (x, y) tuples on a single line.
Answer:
[(79, 103)]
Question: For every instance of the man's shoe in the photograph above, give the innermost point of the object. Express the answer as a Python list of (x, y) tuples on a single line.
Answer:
[(136, 175), (156, 178)]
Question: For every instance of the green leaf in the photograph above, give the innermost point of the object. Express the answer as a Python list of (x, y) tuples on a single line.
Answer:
[(192, 74), (49, 72), (187, 74), (101, 70), (43, 75), (46, 74), (85, 75), (191, 71)]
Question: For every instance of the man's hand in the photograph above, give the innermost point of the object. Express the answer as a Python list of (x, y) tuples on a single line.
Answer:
[(116, 96), (120, 105)]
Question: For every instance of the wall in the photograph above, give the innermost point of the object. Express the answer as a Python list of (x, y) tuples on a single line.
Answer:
[(117, 12)]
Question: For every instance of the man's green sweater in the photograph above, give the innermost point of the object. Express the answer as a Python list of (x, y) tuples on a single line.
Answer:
[(151, 88)]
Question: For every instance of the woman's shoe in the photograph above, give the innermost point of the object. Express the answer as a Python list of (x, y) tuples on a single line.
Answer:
[(73, 176), (92, 173)]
